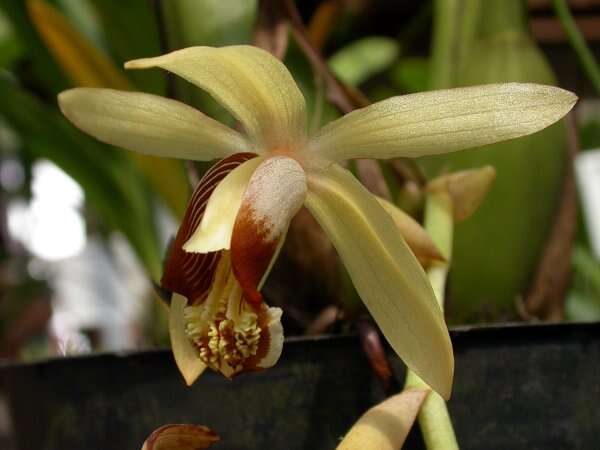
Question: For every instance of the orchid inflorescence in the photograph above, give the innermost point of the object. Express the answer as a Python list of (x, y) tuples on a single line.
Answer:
[(241, 210)]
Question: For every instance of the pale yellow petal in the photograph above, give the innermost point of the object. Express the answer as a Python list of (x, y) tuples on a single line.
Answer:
[(386, 425), (252, 84), (149, 124), (386, 274), (443, 121), (186, 357), (215, 229)]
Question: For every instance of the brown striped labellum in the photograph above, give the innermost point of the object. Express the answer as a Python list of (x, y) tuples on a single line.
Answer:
[(227, 332)]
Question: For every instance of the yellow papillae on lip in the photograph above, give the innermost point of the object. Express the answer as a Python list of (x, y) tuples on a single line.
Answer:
[(225, 329)]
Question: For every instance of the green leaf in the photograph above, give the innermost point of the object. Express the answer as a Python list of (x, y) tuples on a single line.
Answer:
[(580, 307), (84, 17), (10, 47), (206, 22), (411, 74), (360, 60), (117, 18), (589, 134), (45, 70), (210, 22)]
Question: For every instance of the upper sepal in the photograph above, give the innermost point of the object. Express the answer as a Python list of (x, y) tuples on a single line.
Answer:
[(253, 85)]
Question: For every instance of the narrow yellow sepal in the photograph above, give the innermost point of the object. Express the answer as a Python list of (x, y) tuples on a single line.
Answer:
[(430, 123), (386, 274), (251, 83)]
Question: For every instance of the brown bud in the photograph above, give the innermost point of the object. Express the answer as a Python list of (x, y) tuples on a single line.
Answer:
[(413, 233), (181, 437), (467, 189)]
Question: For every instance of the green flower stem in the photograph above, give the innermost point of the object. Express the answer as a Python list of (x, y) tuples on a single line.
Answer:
[(435, 422), (455, 23), (445, 28), (586, 58)]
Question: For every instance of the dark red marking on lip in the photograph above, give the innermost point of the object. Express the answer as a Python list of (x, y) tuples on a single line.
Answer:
[(251, 253)]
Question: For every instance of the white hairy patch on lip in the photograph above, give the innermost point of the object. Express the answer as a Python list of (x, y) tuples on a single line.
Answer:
[(275, 193)]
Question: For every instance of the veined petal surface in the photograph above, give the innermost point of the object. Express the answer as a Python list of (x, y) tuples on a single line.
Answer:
[(273, 196), (443, 121), (216, 227), (252, 84), (191, 274), (386, 274), (149, 124)]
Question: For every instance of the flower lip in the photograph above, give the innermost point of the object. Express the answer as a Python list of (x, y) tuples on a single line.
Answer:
[(274, 194), (230, 334)]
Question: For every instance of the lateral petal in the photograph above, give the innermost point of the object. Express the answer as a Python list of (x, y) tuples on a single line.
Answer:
[(386, 274), (191, 274), (252, 84), (149, 124), (273, 196), (443, 121), (216, 227)]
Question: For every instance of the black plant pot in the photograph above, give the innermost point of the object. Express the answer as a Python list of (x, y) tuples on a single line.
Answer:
[(516, 387)]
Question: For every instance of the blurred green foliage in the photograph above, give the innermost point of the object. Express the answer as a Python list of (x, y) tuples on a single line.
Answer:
[(360, 60)]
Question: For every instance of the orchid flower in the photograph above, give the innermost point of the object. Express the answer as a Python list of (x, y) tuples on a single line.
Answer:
[(236, 221)]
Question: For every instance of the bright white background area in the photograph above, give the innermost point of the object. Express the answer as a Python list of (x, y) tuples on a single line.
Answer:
[(96, 284)]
